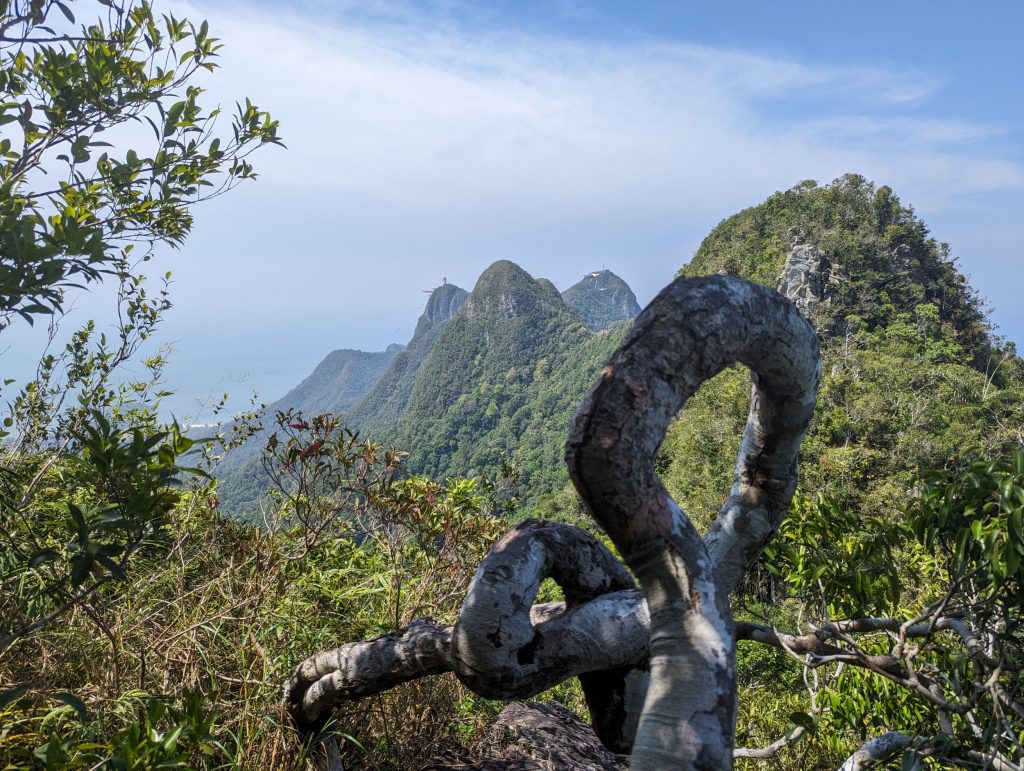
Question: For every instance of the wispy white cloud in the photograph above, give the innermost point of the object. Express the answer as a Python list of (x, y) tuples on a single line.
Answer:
[(422, 147), (398, 111)]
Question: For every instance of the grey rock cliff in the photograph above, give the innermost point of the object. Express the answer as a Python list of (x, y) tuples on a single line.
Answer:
[(804, 277), (386, 400)]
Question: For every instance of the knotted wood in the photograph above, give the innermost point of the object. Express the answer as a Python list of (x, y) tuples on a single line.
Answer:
[(690, 332)]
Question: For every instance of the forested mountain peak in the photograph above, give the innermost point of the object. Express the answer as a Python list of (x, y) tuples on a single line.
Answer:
[(502, 381), (868, 260), (601, 299), (911, 376), (504, 290)]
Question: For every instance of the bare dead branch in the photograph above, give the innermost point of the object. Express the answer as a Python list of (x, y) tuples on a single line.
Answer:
[(690, 332), (876, 750)]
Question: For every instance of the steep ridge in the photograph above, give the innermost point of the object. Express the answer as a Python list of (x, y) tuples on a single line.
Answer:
[(874, 259), (501, 383), (382, 404), (601, 299), (337, 382), (372, 386), (911, 377)]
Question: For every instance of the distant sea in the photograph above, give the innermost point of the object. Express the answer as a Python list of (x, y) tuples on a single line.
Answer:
[(196, 378)]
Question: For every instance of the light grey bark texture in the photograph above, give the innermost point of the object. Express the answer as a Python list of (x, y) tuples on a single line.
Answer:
[(690, 332), (505, 647), (876, 750), (500, 653)]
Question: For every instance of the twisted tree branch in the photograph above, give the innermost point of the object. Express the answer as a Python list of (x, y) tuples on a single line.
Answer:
[(690, 332)]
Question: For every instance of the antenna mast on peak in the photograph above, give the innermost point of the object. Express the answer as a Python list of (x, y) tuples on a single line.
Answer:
[(444, 282)]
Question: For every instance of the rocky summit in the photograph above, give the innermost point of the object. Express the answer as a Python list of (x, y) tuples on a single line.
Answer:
[(601, 299)]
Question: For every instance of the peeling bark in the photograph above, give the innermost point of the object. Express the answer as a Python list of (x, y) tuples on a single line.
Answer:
[(505, 647), (876, 750), (361, 669), (500, 654)]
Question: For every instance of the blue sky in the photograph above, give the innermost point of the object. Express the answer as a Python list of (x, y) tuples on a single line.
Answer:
[(427, 140)]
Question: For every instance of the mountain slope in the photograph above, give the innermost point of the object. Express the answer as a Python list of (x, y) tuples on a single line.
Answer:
[(369, 388), (501, 383), (381, 406), (602, 299), (337, 382), (910, 375)]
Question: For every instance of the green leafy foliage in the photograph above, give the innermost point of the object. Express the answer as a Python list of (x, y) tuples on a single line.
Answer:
[(488, 389), (164, 737), (90, 483), (225, 610), (59, 550), (372, 389), (832, 557), (64, 93), (385, 402), (973, 518), (63, 89), (880, 260), (912, 380), (910, 374), (337, 382)]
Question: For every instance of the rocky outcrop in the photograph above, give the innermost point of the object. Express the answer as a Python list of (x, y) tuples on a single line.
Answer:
[(535, 736), (804, 277), (444, 303), (380, 408)]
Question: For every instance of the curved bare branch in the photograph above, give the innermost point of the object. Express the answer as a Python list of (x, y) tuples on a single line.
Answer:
[(505, 647), (876, 750), (500, 653), (690, 332)]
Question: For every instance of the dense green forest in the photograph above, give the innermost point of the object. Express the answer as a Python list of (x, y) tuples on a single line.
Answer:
[(486, 385), (911, 377), (602, 299), (501, 383), (142, 626)]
